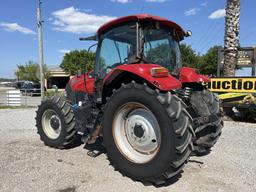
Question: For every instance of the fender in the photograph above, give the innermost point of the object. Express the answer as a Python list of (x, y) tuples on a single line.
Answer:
[(144, 71), (77, 84), (190, 75)]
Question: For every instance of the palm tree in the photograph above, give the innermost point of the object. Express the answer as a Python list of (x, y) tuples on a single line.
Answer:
[(231, 42)]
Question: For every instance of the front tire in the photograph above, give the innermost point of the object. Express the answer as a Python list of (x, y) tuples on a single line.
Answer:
[(55, 122), (163, 143)]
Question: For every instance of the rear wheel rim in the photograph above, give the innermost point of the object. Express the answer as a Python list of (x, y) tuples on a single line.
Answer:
[(136, 132), (51, 124)]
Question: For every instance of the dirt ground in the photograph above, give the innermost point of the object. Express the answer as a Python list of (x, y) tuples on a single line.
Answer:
[(27, 165)]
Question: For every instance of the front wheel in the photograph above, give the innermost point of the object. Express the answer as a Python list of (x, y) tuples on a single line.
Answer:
[(147, 134), (55, 122)]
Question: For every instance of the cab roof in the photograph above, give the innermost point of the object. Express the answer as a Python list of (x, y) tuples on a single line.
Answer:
[(141, 17)]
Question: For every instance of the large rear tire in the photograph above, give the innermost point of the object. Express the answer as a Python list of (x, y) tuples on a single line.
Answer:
[(206, 103), (147, 134), (55, 122)]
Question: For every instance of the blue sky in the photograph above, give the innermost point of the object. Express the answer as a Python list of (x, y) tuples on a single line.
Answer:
[(66, 20)]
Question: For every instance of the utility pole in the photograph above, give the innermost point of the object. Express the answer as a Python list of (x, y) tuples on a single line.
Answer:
[(40, 46)]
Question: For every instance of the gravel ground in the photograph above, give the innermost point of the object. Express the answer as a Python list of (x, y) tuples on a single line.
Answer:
[(27, 165)]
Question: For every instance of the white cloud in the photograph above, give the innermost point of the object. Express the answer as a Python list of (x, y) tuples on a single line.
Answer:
[(121, 1), (12, 27), (220, 13), (204, 4), (63, 51), (74, 21), (190, 12), (158, 1)]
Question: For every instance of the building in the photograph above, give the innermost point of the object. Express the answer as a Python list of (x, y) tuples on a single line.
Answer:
[(56, 78)]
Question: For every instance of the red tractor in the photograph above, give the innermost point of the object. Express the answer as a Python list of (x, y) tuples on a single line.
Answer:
[(151, 112)]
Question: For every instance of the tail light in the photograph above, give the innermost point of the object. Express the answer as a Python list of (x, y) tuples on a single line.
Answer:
[(159, 72)]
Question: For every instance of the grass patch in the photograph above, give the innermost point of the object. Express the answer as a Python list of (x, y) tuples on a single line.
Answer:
[(51, 93), (16, 107)]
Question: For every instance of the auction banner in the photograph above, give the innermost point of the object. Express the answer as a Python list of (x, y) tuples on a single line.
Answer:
[(233, 84)]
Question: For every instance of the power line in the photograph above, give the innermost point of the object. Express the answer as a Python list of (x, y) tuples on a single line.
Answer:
[(213, 35), (209, 32), (210, 35)]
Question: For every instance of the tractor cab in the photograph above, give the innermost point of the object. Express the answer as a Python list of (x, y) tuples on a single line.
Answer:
[(144, 41), (143, 48)]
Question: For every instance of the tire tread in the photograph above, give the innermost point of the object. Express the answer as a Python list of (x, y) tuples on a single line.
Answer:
[(69, 118), (175, 110)]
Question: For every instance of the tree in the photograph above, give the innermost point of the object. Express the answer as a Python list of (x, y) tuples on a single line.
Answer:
[(30, 71), (231, 41), (206, 63), (189, 57), (209, 61), (76, 60), (162, 54)]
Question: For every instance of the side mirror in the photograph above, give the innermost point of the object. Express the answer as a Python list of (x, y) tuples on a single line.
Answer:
[(188, 33), (79, 73)]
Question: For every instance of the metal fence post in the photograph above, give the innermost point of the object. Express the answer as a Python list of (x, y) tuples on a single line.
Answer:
[(26, 98), (7, 98)]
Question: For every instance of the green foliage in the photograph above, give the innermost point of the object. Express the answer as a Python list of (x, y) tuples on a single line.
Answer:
[(76, 60), (209, 61), (189, 57), (15, 107), (159, 55), (159, 52), (50, 93), (30, 71)]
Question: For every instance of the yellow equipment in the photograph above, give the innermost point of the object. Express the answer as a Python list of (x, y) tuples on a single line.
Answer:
[(238, 94)]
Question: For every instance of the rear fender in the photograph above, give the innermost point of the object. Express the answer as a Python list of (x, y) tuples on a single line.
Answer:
[(144, 71)]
